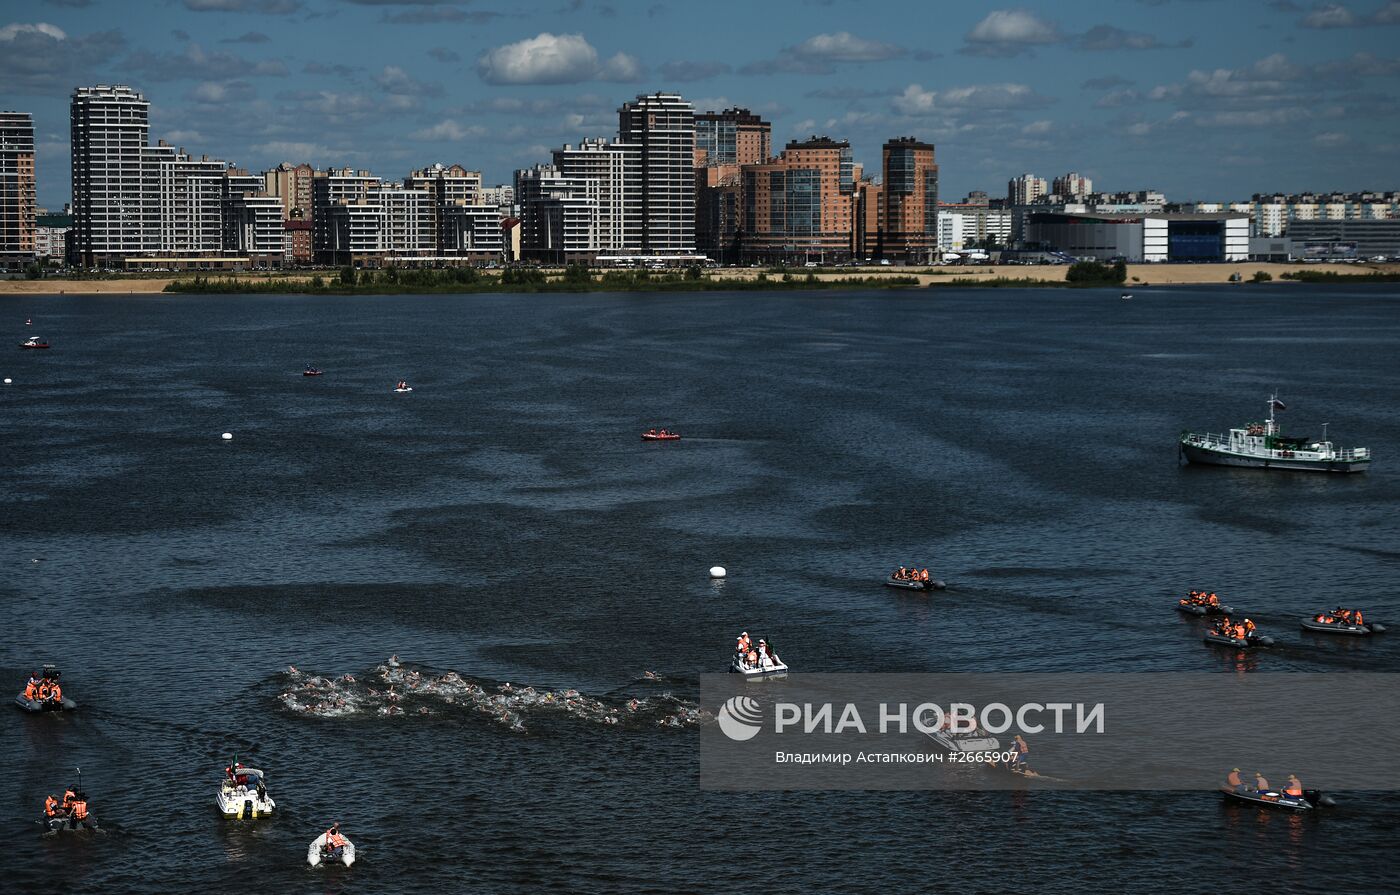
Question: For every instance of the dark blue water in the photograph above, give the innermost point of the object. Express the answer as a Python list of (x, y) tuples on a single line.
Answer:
[(504, 523)]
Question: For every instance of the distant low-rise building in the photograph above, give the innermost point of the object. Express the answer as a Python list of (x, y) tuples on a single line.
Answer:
[(1149, 238)]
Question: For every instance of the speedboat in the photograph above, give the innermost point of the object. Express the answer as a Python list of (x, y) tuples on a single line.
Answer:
[(312, 371), (911, 584), (1248, 642), (663, 435), (47, 701), (965, 742), (245, 801), (320, 851), (1338, 626), (1203, 608), (1126, 296), (404, 388), (33, 342), (755, 665), (1311, 800)]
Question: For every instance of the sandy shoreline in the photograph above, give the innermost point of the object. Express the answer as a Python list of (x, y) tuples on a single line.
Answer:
[(1138, 275)]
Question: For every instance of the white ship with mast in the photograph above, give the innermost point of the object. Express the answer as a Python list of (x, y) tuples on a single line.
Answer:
[(1263, 446)]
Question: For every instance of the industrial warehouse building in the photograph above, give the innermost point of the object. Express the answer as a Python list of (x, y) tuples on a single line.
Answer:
[(1345, 240), (1141, 237)]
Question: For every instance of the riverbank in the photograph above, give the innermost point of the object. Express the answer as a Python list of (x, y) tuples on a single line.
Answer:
[(721, 278)]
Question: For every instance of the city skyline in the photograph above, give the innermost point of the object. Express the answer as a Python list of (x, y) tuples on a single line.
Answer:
[(1148, 95)]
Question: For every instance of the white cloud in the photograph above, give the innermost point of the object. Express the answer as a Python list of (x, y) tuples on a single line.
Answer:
[(844, 46), (447, 130), (1331, 15), (11, 31), (1038, 127), (1009, 32), (915, 100), (553, 59), (1332, 139)]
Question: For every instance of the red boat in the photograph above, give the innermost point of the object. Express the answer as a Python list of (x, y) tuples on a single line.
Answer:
[(33, 343), (662, 435)]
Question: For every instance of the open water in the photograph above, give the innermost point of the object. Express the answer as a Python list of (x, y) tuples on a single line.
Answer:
[(541, 573)]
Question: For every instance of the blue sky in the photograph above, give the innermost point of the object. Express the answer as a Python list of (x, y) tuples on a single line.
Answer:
[(1204, 99)]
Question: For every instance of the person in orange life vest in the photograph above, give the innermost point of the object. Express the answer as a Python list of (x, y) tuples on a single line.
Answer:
[(1294, 789), (1021, 749), (31, 689), (742, 646), (69, 795), (923, 576), (77, 810), (1356, 618), (1261, 784), (1234, 782), (1213, 599), (51, 807), (56, 692), (335, 843), (1248, 627)]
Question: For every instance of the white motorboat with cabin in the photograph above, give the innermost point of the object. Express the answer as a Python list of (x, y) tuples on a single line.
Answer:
[(1263, 446), (245, 800)]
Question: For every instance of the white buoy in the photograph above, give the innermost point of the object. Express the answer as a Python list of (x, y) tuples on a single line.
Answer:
[(716, 571), (227, 436)]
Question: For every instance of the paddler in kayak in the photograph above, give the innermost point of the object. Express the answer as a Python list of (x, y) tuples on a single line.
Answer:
[(1235, 782), (1261, 783)]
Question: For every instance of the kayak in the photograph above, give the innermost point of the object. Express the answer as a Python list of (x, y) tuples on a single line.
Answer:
[(907, 584), (670, 436), (318, 852), (1312, 624), (1203, 609), (47, 705), (1311, 799), (311, 372), (1246, 643)]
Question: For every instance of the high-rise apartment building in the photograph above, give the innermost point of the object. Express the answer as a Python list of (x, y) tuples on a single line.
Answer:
[(1072, 186), (409, 222), (662, 125), (732, 137), (355, 231), (801, 205), (292, 185), (254, 226), (610, 174), (1025, 189), (111, 206), (910, 196), (187, 196), (18, 208), (450, 186), (556, 216)]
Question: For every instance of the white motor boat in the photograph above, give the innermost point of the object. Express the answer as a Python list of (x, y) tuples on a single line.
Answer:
[(245, 801), (320, 851), (965, 742), (762, 666)]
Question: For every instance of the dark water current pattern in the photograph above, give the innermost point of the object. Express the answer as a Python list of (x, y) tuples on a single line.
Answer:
[(541, 573)]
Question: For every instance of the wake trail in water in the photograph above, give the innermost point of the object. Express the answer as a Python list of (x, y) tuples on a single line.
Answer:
[(394, 689)]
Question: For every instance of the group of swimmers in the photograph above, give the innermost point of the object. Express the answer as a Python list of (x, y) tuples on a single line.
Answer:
[(1340, 616), (911, 575), (43, 686), (1294, 789), (751, 656), (1227, 627)]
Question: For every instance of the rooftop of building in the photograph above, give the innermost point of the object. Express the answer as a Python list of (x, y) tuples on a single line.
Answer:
[(1133, 217)]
